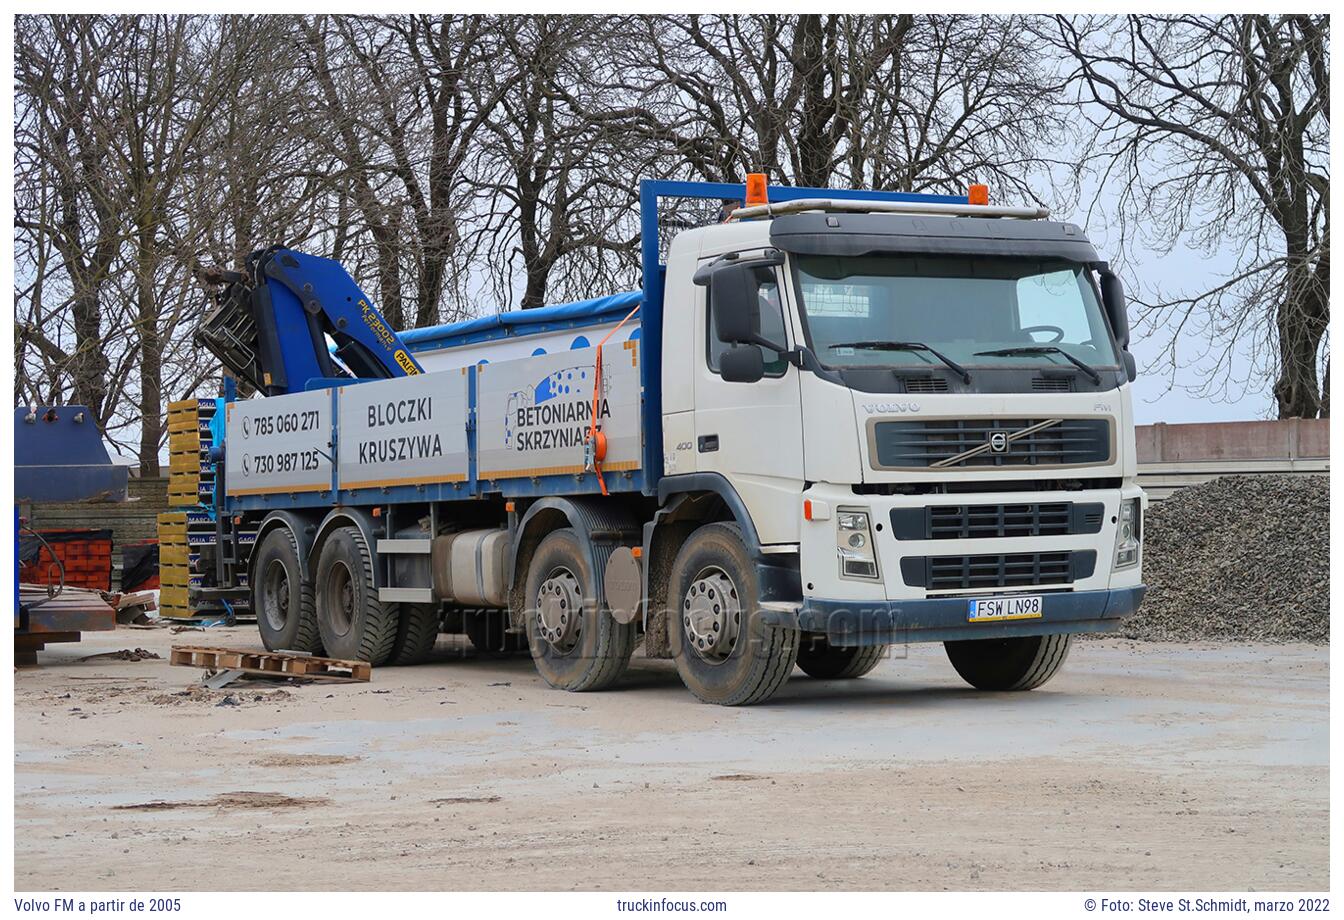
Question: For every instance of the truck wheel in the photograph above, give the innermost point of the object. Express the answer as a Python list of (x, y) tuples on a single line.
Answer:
[(353, 623), (725, 652), (417, 630), (819, 659), (575, 646), (1009, 664), (487, 630), (282, 598)]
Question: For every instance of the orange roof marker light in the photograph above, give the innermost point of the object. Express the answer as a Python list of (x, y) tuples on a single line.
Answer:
[(978, 194), (756, 193)]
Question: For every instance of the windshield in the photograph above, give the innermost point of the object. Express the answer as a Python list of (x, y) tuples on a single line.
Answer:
[(958, 305)]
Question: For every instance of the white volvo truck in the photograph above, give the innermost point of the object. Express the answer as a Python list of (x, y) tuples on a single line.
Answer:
[(833, 423)]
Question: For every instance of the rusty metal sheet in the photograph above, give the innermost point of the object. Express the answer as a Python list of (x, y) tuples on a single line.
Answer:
[(73, 610)]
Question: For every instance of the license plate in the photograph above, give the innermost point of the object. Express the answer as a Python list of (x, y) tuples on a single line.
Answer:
[(993, 609)]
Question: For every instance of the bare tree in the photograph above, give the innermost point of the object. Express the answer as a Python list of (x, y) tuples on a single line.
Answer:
[(899, 102), (942, 102), (121, 183), (173, 74), (69, 204), (557, 180), (1215, 130), (402, 110)]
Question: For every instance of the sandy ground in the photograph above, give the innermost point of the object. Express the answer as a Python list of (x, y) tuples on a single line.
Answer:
[(1142, 766)]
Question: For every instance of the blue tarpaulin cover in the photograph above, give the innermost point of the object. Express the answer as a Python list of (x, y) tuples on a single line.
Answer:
[(595, 312)]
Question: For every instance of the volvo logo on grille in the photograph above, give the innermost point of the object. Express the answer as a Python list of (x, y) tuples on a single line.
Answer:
[(998, 442)]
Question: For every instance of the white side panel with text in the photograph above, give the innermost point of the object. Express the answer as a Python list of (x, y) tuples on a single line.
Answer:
[(279, 444), (533, 414)]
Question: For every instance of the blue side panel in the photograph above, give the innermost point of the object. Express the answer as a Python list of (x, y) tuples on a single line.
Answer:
[(217, 422), (280, 500)]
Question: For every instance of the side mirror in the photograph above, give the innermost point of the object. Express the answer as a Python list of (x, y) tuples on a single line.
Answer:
[(1113, 299), (736, 309), (742, 364), (1131, 367)]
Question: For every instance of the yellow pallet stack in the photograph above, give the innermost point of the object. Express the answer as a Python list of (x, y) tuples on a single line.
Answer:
[(191, 493), (174, 573), (184, 453)]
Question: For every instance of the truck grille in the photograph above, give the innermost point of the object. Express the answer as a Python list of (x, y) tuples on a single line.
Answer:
[(999, 570), (956, 443), (973, 522)]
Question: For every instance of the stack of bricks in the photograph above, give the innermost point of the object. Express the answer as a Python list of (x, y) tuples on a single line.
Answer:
[(85, 555)]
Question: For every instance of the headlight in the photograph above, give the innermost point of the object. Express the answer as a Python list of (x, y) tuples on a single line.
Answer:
[(1127, 534), (852, 520), (854, 544)]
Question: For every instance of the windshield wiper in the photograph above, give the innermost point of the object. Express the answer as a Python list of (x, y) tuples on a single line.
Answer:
[(1046, 350), (879, 345)]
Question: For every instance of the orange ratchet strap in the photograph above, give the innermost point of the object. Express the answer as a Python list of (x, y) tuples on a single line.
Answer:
[(595, 437)]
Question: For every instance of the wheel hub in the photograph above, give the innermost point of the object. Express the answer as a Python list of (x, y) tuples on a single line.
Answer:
[(275, 595), (341, 598), (560, 609), (712, 615)]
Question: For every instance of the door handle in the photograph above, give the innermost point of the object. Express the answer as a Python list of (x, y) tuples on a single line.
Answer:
[(707, 443)]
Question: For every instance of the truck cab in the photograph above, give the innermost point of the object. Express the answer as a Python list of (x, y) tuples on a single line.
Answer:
[(931, 413)]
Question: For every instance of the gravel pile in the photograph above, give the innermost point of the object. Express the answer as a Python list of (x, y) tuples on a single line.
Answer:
[(1238, 558)]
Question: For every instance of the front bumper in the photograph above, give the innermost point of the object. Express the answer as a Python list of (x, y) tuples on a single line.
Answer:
[(942, 619)]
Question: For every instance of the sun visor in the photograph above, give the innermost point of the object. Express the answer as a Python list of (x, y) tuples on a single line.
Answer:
[(867, 234)]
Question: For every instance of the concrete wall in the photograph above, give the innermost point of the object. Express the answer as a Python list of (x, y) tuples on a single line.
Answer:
[(1174, 456), (1284, 439), (130, 522)]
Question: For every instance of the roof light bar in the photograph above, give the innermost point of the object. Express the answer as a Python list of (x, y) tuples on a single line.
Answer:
[(889, 207)]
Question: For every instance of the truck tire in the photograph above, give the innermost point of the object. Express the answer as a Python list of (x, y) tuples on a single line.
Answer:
[(818, 658), (1009, 664), (724, 650), (488, 632), (282, 597), (587, 651), (417, 630), (353, 623)]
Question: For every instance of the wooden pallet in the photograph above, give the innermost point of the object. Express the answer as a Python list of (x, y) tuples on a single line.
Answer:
[(272, 663)]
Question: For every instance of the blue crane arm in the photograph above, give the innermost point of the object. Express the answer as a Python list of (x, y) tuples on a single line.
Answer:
[(274, 322)]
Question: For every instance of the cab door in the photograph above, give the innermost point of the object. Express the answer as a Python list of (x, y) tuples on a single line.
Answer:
[(752, 433)]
